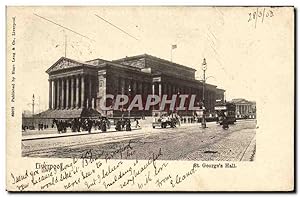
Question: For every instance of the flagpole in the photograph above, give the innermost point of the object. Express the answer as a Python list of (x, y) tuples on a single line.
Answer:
[(65, 45), (173, 46)]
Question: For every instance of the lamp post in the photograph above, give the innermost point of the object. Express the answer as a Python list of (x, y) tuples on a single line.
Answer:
[(204, 67), (33, 125), (129, 92), (122, 109), (177, 103), (33, 104)]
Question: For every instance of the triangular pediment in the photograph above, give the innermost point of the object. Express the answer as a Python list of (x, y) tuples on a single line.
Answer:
[(241, 101), (64, 63)]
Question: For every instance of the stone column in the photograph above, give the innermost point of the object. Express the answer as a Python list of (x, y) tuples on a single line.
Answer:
[(159, 89), (50, 94), (134, 88), (153, 88), (62, 105), (122, 86), (58, 93), (145, 90), (163, 88), (140, 88), (54, 94), (169, 90), (116, 86), (82, 91), (72, 92), (94, 92), (77, 91), (67, 93), (94, 99), (90, 93), (174, 90), (126, 86)]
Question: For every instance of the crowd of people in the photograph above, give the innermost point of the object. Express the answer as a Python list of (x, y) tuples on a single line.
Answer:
[(86, 124), (192, 119), (103, 124), (82, 124)]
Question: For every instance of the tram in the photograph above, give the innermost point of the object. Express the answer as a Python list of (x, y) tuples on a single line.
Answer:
[(225, 109)]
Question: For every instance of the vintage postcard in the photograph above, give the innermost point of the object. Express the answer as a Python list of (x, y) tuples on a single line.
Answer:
[(161, 98)]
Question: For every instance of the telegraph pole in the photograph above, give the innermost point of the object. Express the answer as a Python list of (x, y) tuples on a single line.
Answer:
[(204, 67)]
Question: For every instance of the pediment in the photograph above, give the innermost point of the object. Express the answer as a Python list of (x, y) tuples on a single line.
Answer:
[(63, 63)]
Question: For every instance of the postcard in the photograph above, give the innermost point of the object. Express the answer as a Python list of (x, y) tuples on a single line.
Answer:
[(150, 98)]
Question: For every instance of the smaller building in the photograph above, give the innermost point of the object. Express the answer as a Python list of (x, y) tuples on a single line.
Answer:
[(244, 108)]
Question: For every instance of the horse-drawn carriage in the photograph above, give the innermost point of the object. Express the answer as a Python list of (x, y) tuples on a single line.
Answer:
[(165, 120)]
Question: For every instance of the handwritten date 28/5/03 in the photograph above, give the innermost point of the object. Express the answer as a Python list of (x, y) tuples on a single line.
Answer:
[(259, 15)]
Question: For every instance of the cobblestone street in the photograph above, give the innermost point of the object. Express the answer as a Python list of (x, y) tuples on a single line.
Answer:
[(186, 142)]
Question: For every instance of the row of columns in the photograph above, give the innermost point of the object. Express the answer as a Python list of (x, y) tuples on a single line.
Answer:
[(169, 89), (69, 92), (122, 86), (243, 109), (160, 88)]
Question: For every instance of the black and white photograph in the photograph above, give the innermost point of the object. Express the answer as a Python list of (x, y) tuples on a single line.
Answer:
[(148, 97)]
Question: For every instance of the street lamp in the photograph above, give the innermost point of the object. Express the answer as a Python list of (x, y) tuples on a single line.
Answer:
[(204, 67), (122, 109), (33, 104), (33, 111), (176, 103), (129, 92)]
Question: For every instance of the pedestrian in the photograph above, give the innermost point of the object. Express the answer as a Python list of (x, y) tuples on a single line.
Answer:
[(78, 125), (118, 126), (137, 125), (65, 126), (90, 125), (128, 125), (73, 127), (177, 120), (107, 123), (104, 125), (123, 123)]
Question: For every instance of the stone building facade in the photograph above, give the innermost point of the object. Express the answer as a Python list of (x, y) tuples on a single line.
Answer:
[(245, 108), (76, 88)]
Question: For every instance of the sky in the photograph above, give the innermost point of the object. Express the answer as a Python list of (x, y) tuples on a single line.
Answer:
[(235, 46)]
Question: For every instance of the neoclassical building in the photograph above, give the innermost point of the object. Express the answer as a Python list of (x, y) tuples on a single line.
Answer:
[(76, 87), (244, 108)]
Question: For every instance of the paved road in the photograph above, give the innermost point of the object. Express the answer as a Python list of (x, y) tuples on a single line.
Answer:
[(187, 142)]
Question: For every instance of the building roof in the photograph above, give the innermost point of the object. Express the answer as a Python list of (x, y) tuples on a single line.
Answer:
[(220, 89), (242, 100), (118, 66), (154, 58), (96, 61)]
